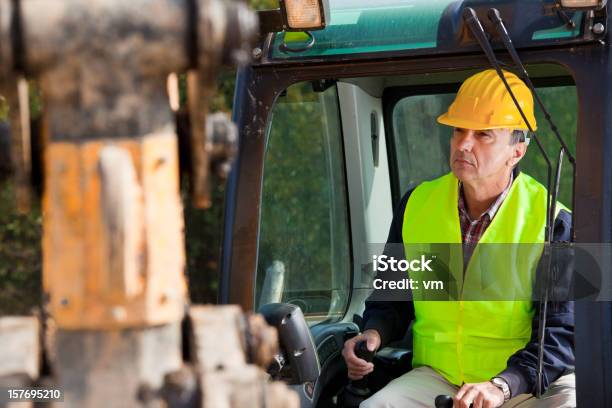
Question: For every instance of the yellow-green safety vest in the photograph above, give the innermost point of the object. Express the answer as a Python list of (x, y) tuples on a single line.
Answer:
[(464, 340)]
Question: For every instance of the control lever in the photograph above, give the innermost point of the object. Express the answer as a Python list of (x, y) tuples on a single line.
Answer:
[(445, 401), (357, 390), (361, 351)]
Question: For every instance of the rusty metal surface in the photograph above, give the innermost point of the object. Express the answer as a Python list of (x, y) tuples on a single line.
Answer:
[(14, 87), (126, 106), (6, 52), (113, 243), (226, 322), (109, 368), (122, 219), (103, 64), (261, 341), (198, 95), (21, 155), (222, 136), (22, 147), (146, 36), (224, 35), (181, 388), (221, 339), (20, 346), (113, 258)]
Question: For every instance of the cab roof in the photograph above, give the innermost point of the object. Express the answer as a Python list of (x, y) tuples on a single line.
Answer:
[(360, 28)]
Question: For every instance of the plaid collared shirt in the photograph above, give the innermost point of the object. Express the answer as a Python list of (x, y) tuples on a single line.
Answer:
[(471, 231)]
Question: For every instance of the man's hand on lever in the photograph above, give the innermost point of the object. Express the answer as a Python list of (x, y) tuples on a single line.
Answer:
[(358, 368), (479, 395)]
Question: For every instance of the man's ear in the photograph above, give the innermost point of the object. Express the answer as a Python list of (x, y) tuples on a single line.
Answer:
[(518, 151)]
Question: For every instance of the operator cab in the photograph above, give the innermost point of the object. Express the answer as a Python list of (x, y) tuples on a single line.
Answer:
[(335, 127), (339, 159)]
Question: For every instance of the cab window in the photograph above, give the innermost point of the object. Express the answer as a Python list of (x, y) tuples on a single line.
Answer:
[(304, 250)]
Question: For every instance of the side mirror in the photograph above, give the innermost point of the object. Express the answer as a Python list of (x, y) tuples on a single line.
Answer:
[(297, 346)]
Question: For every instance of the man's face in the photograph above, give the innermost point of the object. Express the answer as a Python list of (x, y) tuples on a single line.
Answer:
[(483, 155)]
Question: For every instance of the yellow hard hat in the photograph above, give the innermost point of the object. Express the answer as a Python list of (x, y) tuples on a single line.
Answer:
[(483, 102)]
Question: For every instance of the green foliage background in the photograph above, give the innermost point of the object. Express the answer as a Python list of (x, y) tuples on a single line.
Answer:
[(20, 256)]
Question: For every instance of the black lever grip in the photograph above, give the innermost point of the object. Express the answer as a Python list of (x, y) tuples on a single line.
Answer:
[(445, 401), (361, 351), (357, 390)]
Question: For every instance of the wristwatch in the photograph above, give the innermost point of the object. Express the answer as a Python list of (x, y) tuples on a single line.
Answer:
[(500, 383)]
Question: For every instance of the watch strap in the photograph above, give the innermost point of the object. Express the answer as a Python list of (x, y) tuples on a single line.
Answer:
[(502, 384)]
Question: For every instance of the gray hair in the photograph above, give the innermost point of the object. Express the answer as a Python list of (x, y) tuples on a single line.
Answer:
[(519, 135)]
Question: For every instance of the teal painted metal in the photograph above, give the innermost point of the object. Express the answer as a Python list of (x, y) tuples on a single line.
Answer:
[(370, 26), (563, 31)]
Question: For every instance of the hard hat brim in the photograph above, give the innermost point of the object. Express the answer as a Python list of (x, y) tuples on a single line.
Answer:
[(447, 120)]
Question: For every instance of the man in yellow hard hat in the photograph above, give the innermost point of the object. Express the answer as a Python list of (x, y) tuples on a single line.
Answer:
[(480, 350)]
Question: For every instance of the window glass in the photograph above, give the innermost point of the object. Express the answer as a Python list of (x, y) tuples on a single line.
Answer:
[(422, 145), (304, 251)]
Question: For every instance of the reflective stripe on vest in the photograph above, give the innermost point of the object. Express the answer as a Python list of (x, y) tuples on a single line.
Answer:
[(464, 340)]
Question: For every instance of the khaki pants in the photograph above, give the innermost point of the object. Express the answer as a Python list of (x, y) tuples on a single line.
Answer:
[(420, 387)]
